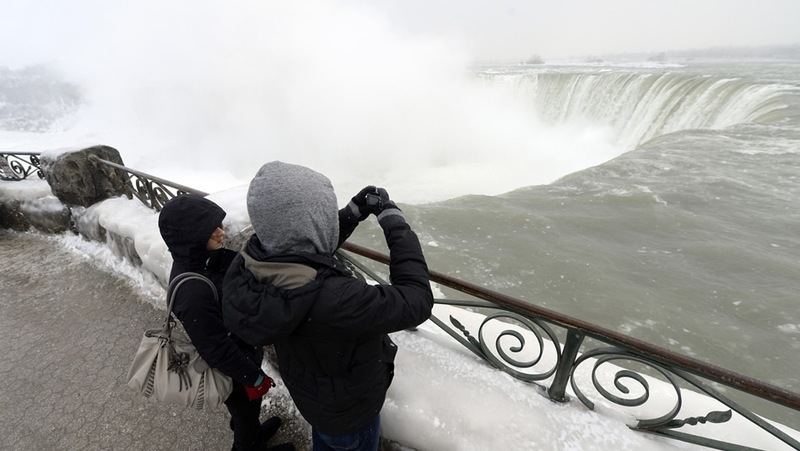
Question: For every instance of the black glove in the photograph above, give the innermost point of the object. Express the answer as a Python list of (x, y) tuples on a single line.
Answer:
[(385, 209), (357, 209)]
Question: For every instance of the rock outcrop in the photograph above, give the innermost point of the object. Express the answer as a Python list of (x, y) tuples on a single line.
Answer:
[(77, 180)]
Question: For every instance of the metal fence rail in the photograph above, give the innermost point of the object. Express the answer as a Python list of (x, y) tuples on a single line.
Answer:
[(149, 189), (635, 362), (19, 165)]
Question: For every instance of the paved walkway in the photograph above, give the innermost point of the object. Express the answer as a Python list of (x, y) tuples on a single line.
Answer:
[(68, 332)]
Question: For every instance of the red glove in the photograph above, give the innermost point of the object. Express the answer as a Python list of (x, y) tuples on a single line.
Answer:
[(261, 389)]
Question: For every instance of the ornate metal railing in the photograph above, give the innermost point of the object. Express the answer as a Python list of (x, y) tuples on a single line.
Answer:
[(19, 165), (555, 363), (149, 189), (539, 323)]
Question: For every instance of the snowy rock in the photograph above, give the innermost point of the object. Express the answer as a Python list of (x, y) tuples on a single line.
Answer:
[(76, 180)]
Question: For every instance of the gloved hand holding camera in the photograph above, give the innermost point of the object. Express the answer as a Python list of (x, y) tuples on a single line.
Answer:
[(372, 200), (384, 208), (357, 209)]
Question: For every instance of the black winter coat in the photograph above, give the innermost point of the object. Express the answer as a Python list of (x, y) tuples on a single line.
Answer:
[(186, 224), (329, 328)]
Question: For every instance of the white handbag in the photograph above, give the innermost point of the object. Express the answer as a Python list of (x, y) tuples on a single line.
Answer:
[(168, 365)]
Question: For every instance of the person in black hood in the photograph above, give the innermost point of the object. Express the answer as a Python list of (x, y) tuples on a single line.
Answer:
[(191, 227), (328, 327)]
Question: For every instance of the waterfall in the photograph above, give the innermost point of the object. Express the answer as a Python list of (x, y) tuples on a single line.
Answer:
[(641, 106)]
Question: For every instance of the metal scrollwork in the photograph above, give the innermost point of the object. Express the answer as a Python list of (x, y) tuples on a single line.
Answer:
[(160, 196), (604, 355), (18, 166), (152, 191), (152, 194), (502, 355), (609, 354), (711, 417), (141, 190)]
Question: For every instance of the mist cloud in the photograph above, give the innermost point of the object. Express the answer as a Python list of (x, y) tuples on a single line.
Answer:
[(226, 86)]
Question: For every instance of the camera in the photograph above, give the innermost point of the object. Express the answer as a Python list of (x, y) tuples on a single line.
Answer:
[(373, 200)]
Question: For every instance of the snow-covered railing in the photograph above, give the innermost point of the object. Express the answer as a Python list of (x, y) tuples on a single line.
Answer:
[(504, 337), (19, 165)]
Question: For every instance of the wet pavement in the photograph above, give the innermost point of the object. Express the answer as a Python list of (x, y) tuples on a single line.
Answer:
[(68, 333)]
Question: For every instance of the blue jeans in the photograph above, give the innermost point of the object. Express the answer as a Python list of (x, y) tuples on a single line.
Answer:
[(364, 439)]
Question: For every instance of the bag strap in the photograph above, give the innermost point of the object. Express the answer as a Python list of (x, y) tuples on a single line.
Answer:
[(176, 283)]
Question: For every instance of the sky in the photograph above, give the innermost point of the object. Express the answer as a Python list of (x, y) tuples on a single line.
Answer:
[(516, 29), (442, 396), (40, 30)]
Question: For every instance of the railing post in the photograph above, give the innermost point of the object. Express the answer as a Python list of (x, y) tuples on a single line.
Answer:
[(557, 390)]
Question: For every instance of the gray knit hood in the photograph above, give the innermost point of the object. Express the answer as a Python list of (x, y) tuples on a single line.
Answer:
[(293, 209)]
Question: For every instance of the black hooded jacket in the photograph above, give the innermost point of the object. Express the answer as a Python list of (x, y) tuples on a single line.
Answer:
[(329, 328), (186, 224)]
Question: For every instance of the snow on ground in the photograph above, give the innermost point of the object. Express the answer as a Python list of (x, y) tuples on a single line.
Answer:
[(443, 397)]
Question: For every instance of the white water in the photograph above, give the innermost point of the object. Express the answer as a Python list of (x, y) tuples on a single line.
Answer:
[(435, 139), (640, 105)]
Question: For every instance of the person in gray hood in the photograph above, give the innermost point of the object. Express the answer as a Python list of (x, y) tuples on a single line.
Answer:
[(329, 328)]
